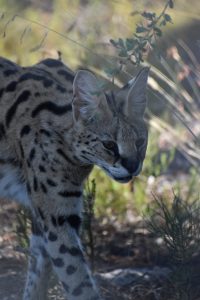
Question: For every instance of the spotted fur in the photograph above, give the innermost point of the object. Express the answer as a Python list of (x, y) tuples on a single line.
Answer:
[(54, 126)]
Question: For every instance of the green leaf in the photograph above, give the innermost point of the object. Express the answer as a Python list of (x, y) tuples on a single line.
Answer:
[(144, 43), (130, 43), (121, 43), (141, 29), (150, 24), (167, 18), (123, 53), (113, 42), (148, 15), (157, 31)]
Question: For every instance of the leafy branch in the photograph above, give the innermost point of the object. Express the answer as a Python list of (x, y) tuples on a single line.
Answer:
[(133, 49)]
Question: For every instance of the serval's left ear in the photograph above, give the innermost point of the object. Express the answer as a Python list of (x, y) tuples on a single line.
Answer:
[(87, 95), (135, 102)]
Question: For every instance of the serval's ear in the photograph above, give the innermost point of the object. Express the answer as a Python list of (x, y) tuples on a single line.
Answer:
[(135, 102), (87, 95)]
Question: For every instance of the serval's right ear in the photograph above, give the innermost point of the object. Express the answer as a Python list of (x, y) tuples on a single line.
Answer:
[(133, 96), (87, 95), (136, 99)]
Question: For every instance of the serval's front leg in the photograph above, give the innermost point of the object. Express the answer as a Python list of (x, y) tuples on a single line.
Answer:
[(58, 208), (39, 268), (60, 226)]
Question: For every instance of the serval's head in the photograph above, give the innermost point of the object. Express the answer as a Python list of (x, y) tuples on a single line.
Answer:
[(111, 131)]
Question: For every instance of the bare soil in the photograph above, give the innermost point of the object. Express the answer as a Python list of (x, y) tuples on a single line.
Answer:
[(114, 248)]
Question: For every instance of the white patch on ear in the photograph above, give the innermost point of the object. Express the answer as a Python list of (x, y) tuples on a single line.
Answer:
[(136, 98), (86, 95)]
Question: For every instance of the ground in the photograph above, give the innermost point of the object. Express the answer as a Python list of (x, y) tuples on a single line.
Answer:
[(115, 249), (129, 262)]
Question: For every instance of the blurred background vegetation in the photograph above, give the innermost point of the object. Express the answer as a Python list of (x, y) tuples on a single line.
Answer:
[(80, 31)]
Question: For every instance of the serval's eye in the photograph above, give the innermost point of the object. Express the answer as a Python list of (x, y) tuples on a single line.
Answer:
[(110, 145), (140, 142)]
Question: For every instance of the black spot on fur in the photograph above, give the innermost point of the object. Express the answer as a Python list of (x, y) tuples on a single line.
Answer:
[(32, 154), (28, 163), (42, 168), (43, 187), (21, 150), (61, 153), (46, 228), (52, 108), (74, 221), (31, 76), (51, 182), (53, 170), (1, 92), (71, 270), (67, 75), (35, 184), (52, 63), (9, 72), (41, 213), (85, 152), (24, 96), (61, 220), (63, 249), (25, 130), (72, 251), (68, 194), (28, 188), (61, 89), (83, 156), (52, 236), (11, 87), (45, 132), (58, 262), (2, 131), (53, 220)]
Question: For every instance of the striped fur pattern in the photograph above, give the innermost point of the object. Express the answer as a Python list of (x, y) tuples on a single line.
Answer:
[(54, 127)]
